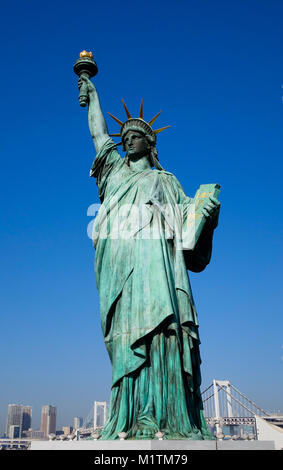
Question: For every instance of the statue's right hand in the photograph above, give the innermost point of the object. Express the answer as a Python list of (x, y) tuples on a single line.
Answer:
[(89, 85)]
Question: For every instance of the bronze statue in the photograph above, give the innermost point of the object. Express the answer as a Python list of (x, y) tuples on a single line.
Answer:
[(148, 316)]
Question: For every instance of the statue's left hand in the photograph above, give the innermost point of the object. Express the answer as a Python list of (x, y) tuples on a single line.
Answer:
[(211, 211)]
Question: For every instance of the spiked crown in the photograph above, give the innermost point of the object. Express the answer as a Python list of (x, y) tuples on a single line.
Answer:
[(137, 124)]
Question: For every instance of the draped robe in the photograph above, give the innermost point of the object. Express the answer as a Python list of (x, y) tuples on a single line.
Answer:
[(148, 316)]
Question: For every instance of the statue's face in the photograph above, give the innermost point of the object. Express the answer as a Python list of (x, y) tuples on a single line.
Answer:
[(136, 145)]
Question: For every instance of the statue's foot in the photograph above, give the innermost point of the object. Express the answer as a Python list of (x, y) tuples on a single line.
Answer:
[(145, 433)]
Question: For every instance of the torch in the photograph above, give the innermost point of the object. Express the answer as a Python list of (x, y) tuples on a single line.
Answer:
[(85, 66)]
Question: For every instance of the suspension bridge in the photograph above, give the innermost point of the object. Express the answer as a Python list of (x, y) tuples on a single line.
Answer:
[(224, 405)]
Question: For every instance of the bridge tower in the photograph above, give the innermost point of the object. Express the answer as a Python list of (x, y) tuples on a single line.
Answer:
[(98, 405), (224, 384)]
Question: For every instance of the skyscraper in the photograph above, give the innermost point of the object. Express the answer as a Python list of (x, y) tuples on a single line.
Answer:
[(19, 415), (48, 420), (26, 419)]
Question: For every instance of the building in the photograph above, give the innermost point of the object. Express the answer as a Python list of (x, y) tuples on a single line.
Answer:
[(14, 417), (78, 422), (14, 432), (34, 434), (67, 430), (26, 420), (48, 420), (19, 415)]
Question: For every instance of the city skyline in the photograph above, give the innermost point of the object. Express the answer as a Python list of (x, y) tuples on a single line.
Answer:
[(16, 416), (21, 410), (215, 70)]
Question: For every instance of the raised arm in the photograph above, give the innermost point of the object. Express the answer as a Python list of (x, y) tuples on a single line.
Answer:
[(96, 122)]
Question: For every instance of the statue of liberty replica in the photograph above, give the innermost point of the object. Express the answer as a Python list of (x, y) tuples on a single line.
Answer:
[(148, 316)]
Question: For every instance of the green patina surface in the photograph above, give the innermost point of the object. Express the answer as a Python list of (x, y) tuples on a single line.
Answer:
[(148, 316)]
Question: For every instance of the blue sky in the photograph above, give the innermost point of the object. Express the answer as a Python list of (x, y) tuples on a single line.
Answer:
[(216, 71)]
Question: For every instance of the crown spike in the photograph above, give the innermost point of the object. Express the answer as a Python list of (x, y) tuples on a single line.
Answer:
[(115, 119), (141, 110), (154, 118), (126, 109), (160, 130)]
